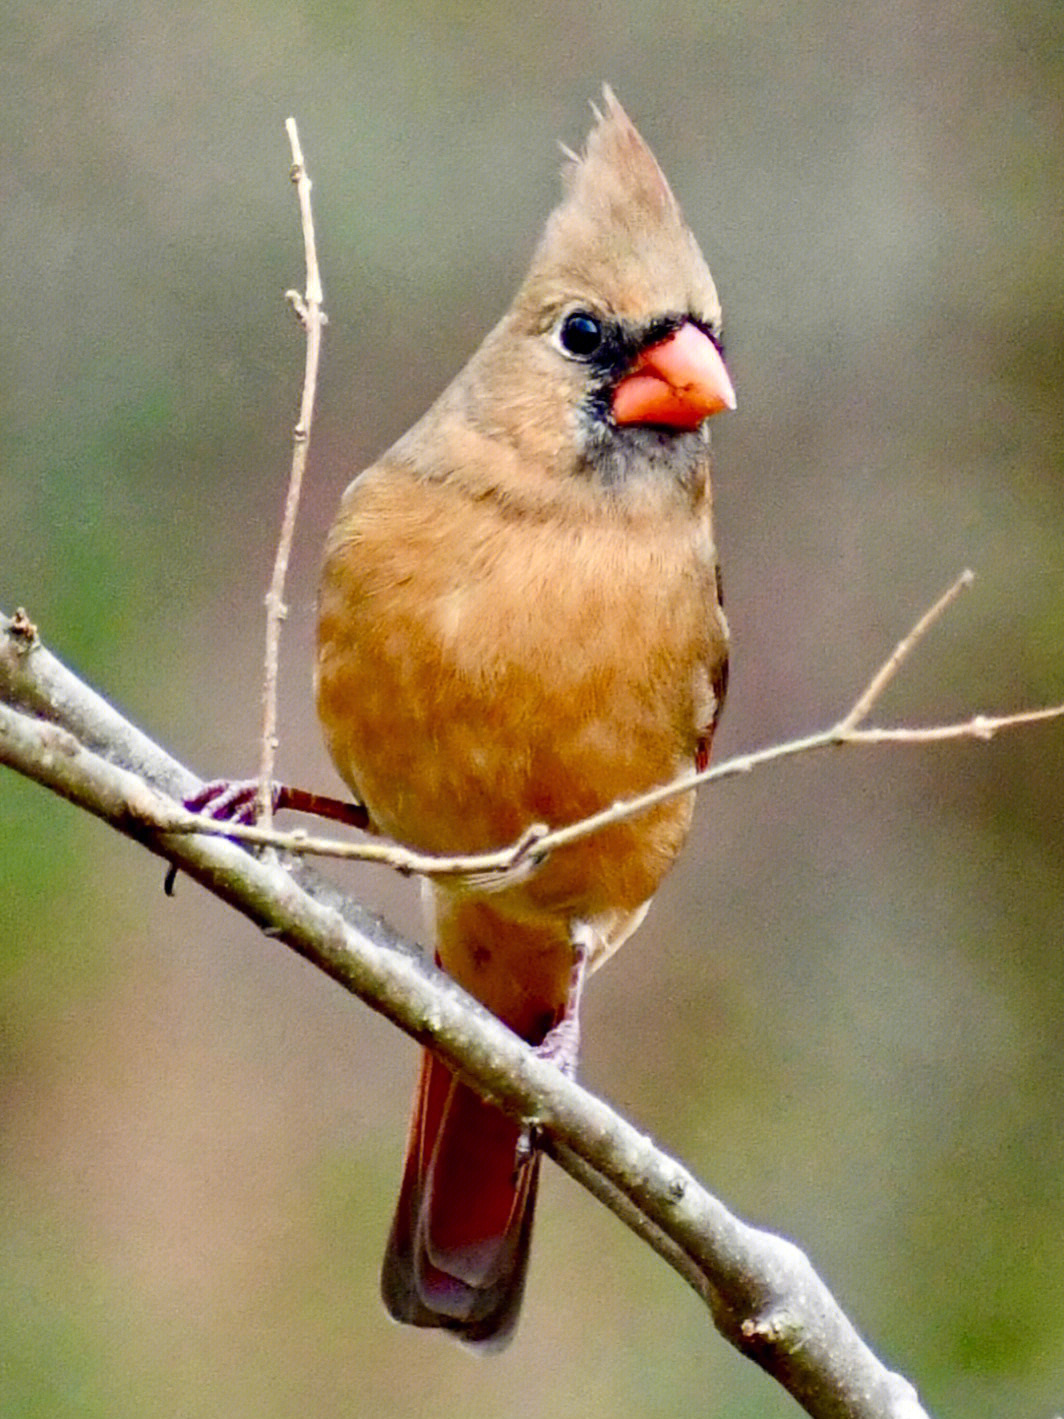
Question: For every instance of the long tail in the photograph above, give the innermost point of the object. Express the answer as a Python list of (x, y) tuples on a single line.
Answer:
[(458, 1251)]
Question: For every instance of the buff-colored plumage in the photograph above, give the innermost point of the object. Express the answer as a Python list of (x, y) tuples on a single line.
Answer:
[(520, 622)]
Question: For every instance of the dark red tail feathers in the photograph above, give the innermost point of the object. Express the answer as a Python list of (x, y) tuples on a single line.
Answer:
[(458, 1250)]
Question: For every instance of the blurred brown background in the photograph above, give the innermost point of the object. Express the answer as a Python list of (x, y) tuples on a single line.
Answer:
[(845, 1012)]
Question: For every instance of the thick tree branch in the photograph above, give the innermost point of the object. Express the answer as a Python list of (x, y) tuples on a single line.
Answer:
[(763, 1294)]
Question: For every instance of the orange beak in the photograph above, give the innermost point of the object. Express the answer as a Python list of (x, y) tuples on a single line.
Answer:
[(675, 384)]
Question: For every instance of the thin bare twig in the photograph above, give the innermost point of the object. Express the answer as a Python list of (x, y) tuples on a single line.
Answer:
[(309, 309), (529, 851), (887, 671)]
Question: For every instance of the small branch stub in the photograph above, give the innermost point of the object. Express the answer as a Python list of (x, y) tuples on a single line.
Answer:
[(299, 306), (22, 631)]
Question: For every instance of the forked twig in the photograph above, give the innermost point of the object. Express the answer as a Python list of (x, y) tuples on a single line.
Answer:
[(885, 674)]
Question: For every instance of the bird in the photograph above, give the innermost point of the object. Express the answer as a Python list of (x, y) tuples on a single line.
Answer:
[(520, 622)]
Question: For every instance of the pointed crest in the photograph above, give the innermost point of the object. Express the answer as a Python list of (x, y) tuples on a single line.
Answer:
[(619, 232), (617, 169)]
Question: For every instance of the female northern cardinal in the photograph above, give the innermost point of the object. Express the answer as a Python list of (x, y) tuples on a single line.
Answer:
[(520, 622)]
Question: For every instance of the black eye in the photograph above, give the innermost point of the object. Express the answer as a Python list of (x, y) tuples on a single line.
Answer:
[(580, 334)]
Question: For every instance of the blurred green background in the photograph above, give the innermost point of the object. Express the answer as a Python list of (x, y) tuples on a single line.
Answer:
[(845, 1012)]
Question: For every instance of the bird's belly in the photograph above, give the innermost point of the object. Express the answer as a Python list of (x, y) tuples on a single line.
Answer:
[(449, 761)]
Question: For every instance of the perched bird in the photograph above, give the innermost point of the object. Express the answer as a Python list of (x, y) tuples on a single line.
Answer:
[(520, 621)]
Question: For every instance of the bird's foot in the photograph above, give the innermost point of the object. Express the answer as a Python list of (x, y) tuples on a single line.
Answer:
[(237, 800), (560, 1046), (231, 800)]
